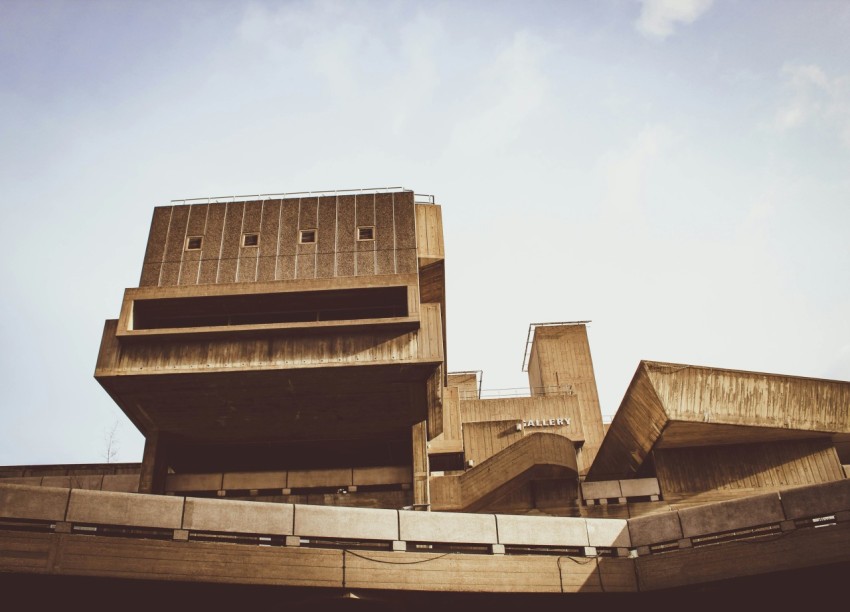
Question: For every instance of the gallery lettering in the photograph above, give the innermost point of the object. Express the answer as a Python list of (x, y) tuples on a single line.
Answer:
[(547, 422)]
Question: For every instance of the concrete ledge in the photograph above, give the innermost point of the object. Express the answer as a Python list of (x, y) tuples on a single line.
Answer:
[(655, 528), (601, 490), (640, 487), (447, 527), (39, 503), (254, 480), (237, 516), (32, 481), (382, 475), (608, 533), (730, 515), (193, 482), (542, 530), (816, 500), (126, 483), (354, 523), (90, 482), (130, 509), (302, 479)]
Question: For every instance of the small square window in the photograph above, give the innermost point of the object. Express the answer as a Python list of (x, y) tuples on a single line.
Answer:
[(308, 236), (249, 240), (366, 233), (193, 243)]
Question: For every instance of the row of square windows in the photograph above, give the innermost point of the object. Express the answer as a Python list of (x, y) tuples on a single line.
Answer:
[(305, 236)]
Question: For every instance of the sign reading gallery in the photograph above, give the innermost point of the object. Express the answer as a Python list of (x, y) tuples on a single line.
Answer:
[(546, 422)]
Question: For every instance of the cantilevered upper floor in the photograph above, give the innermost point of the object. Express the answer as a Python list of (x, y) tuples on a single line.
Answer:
[(291, 317)]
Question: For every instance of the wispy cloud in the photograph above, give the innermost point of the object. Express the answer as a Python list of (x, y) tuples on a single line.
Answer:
[(659, 18), (815, 98), (625, 174)]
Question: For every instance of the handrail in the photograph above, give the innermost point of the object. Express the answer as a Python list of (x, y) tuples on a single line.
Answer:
[(418, 198)]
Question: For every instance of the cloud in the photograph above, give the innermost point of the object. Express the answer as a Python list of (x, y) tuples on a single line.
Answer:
[(658, 18), (626, 173), (509, 92), (816, 99)]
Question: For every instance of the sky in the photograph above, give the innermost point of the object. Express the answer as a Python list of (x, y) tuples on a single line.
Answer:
[(675, 171)]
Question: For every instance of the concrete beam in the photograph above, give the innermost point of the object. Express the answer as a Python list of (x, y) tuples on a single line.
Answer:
[(237, 516), (128, 509), (730, 515), (27, 502), (354, 523), (542, 530), (447, 527)]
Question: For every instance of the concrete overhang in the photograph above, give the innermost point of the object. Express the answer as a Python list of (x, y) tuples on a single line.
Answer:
[(677, 405)]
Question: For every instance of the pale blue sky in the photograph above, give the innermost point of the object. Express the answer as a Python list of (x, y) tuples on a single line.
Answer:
[(677, 172)]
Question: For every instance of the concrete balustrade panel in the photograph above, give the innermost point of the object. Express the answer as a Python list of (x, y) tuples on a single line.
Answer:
[(353, 523), (608, 533), (129, 509), (541, 530), (37, 503), (382, 475), (91, 482), (33, 481), (816, 500), (655, 529), (601, 490), (640, 487), (254, 480), (237, 516), (126, 483), (447, 527), (307, 479), (193, 482), (730, 515)]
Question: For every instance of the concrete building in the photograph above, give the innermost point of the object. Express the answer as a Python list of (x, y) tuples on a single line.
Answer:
[(285, 358)]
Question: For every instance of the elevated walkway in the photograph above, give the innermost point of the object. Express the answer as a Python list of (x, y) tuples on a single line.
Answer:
[(70, 532)]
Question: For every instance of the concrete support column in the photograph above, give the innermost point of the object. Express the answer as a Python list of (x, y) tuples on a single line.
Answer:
[(154, 465), (421, 486)]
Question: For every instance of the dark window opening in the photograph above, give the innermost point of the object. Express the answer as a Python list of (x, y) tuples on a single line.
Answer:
[(365, 233), (257, 309), (250, 240), (307, 236), (193, 243), (446, 462)]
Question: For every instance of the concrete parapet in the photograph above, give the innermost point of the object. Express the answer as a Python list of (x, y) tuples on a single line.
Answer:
[(237, 516), (601, 490), (28, 502), (253, 480), (655, 528), (541, 530), (91, 482), (447, 527), (730, 515), (126, 483), (319, 478), (816, 500), (130, 509), (33, 481), (640, 487), (382, 475), (353, 523), (193, 482), (608, 533)]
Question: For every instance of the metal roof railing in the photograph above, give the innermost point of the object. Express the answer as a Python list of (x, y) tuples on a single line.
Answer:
[(418, 197), (528, 341)]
